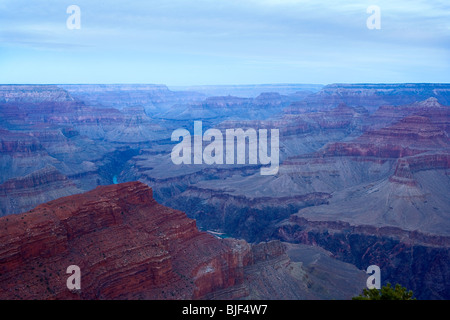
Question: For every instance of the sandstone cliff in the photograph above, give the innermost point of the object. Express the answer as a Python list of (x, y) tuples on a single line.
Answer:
[(130, 247), (126, 244)]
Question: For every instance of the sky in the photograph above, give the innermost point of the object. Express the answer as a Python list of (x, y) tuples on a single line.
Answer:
[(214, 42)]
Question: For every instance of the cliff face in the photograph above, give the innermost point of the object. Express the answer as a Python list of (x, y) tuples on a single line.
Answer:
[(35, 188), (43, 125), (425, 127), (126, 244), (239, 216), (416, 260), (129, 247)]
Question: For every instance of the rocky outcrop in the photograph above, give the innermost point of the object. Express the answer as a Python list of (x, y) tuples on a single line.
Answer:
[(284, 271), (387, 115), (415, 131), (15, 143), (429, 162), (51, 107), (128, 247), (35, 188), (44, 125), (21, 154), (402, 174), (412, 135), (416, 260), (407, 166)]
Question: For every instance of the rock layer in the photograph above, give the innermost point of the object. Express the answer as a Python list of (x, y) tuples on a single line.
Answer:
[(130, 247), (416, 260), (126, 245)]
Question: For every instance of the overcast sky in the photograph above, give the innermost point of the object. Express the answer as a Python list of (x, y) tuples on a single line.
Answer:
[(202, 42)]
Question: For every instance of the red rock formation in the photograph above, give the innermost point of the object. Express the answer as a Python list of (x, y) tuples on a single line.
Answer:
[(50, 107), (356, 149), (415, 131), (407, 166), (403, 174), (18, 144), (126, 245), (429, 161), (412, 135)]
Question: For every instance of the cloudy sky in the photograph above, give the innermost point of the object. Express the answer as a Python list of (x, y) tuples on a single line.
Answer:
[(199, 42)]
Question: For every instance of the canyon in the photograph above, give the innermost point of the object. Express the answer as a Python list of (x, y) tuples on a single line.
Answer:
[(160, 254), (363, 179)]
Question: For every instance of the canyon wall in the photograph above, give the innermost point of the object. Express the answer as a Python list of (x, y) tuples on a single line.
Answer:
[(130, 247)]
